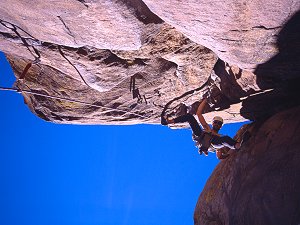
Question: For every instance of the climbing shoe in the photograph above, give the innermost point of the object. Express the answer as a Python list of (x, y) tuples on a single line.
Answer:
[(205, 152), (199, 151), (182, 110)]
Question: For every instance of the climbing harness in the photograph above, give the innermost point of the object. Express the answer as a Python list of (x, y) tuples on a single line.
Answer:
[(203, 142)]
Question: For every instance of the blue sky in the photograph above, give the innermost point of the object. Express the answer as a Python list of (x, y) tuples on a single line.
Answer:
[(90, 175)]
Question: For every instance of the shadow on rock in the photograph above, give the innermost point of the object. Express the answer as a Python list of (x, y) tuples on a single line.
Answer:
[(281, 74)]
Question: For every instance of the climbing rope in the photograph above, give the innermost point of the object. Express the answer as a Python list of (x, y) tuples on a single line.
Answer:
[(68, 100), (36, 54), (182, 96), (15, 28)]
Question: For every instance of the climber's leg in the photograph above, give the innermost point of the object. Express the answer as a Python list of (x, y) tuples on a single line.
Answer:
[(219, 142), (191, 120)]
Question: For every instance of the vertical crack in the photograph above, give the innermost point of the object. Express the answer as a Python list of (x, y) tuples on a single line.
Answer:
[(63, 55), (83, 2), (67, 28)]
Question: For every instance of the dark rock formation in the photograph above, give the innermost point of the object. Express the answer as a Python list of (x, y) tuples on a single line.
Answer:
[(281, 74), (261, 183)]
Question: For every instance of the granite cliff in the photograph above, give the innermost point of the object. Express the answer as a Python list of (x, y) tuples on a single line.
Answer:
[(120, 62)]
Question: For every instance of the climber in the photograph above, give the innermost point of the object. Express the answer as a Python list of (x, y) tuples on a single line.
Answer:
[(207, 138)]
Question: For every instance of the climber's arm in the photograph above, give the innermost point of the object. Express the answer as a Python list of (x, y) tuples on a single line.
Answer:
[(200, 116)]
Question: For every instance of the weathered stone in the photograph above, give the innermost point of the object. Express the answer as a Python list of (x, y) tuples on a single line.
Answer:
[(261, 183), (99, 24), (160, 69), (242, 33), (126, 63)]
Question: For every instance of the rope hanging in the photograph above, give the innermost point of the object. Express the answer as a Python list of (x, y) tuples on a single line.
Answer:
[(36, 54), (181, 96), (68, 100), (37, 57), (14, 28)]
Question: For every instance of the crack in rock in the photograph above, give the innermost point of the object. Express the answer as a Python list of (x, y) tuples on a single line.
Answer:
[(266, 28), (227, 39), (67, 28), (63, 55), (257, 27), (142, 12), (200, 21), (84, 3)]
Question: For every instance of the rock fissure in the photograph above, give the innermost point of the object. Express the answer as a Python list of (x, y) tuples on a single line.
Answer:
[(84, 3), (266, 28), (204, 21), (9, 36), (63, 55), (142, 12), (67, 28), (14, 27)]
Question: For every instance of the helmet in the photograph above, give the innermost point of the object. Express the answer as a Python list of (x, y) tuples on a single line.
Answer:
[(218, 118)]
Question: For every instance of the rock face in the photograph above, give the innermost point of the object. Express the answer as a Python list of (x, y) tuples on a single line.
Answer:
[(120, 62), (261, 183), (242, 33)]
